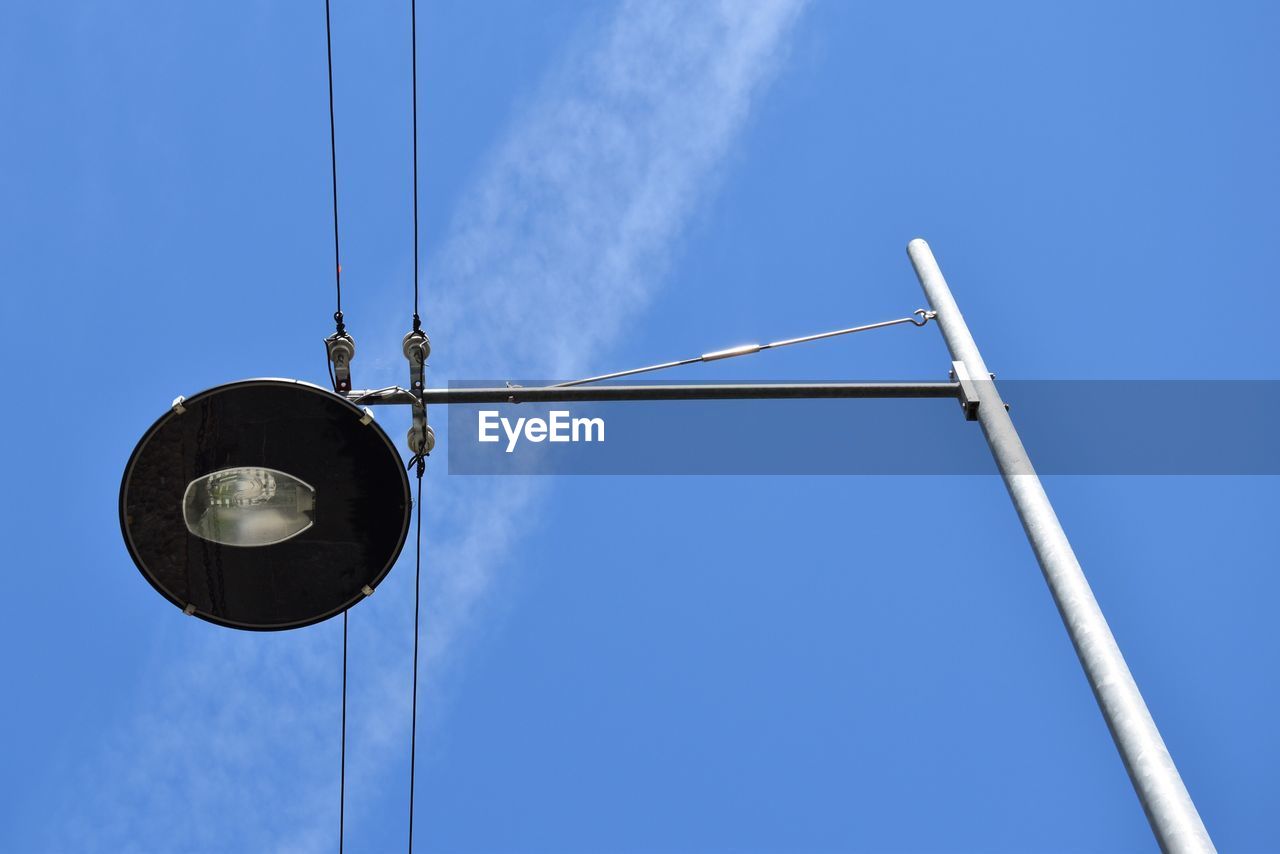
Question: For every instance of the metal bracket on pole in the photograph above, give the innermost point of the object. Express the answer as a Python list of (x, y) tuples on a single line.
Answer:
[(968, 393), (341, 348)]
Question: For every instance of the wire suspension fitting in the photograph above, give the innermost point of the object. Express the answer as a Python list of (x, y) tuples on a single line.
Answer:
[(421, 438)]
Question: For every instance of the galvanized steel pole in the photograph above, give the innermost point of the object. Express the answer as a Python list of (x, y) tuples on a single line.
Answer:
[(1173, 817)]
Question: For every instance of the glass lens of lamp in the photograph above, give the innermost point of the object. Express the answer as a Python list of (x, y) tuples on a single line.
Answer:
[(248, 506)]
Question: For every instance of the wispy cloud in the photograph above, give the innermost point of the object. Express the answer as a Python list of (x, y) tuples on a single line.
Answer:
[(573, 225), (568, 233), (575, 221)]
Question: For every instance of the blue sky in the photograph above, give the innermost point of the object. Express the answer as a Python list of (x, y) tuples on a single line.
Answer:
[(639, 663)]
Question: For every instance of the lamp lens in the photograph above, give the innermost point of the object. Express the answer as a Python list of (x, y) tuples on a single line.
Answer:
[(248, 506)]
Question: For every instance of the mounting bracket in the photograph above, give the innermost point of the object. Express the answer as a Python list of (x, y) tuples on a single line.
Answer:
[(968, 393), (417, 347)]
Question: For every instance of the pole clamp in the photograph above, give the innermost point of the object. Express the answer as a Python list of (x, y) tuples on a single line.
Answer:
[(968, 391)]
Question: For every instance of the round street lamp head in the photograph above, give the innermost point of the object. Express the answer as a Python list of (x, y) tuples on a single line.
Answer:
[(265, 504)]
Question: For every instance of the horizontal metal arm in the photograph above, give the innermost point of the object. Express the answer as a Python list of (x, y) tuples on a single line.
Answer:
[(730, 391)]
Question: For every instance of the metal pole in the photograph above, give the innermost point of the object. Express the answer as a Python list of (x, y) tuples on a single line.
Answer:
[(1173, 817)]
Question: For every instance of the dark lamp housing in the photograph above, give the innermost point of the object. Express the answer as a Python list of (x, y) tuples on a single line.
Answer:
[(265, 504)]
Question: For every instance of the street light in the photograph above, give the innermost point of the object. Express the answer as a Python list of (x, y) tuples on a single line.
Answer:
[(265, 504), (270, 504)]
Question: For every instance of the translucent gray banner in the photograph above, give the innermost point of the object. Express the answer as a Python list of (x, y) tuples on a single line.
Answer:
[(1068, 427)]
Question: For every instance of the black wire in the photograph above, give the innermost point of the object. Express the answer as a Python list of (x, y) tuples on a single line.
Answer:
[(418, 458), (417, 598), (413, 28), (417, 326), (341, 330), (333, 162), (342, 776)]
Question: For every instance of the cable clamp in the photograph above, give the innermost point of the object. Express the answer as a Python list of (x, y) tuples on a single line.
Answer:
[(417, 347), (341, 348), (177, 404)]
